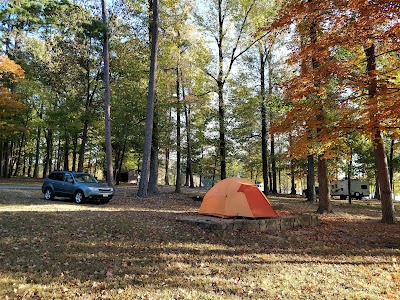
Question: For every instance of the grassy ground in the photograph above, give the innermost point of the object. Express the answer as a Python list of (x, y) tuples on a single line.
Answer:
[(24, 181), (134, 248)]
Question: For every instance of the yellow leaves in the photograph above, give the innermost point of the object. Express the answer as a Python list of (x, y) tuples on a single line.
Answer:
[(366, 272), (9, 70), (8, 99), (10, 107)]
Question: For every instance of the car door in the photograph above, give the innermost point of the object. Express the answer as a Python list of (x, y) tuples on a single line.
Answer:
[(68, 185), (58, 184)]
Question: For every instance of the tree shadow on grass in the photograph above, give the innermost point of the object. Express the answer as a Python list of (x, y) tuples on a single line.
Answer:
[(136, 243)]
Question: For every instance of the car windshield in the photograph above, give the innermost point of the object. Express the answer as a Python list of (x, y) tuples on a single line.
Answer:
[(85, 178)]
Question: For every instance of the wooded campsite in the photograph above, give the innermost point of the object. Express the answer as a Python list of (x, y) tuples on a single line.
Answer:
[(163, 99)]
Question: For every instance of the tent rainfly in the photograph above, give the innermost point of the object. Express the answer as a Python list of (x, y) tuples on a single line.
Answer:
[(236, 197)]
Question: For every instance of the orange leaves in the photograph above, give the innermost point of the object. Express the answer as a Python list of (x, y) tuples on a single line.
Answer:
[(9, 70), (329, 95), (8, 104), (396, 276), (10, 107), (393, 33)]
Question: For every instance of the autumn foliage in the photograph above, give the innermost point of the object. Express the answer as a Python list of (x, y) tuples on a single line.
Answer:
[(10, 107), (9, 70), (339, 84), (346, 80)]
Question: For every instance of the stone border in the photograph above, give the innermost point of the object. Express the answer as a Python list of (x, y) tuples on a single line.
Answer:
[(261, 225)]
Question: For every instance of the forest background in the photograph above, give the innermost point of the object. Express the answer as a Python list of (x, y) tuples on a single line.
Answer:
[(268, 90)]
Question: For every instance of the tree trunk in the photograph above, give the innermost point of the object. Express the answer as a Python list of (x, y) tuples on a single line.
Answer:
[(142, 192), (107, 98), (7, 156), (222, 142), (37, 154), (311, 197), (166, 177), (117, 163), (220, 83), (152, 188), (24, 165), (186, 173), (37, 151), (325, 206), (189, 145), (323, 176), (264, 133), (292, 183), (89, 163), (66, 152), (391, 165), (30, 162), (214, 170), (58, 165), (377, 193), (167, 152), (178, 134), (273, 165), (88, 104), (292, 177), (323, 179), (74, 152), (270, 89), (49, 151), (388, 211), (21, 145), (83, 146), (121, 159), (349, 171), (280, 182), (201, 167)]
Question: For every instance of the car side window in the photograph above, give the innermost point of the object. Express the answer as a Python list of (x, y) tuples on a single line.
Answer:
[(59, 176), (68, 178)]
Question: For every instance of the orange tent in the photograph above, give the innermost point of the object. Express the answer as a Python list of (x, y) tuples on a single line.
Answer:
[(236, 197)]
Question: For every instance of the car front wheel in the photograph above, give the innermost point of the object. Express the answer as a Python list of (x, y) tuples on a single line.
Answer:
[(79, 197), (48, 194)]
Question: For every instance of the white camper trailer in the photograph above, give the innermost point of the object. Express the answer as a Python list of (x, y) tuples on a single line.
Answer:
[(359, 189)]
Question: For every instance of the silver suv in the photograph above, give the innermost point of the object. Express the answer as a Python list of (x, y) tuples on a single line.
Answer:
[(76, 185)]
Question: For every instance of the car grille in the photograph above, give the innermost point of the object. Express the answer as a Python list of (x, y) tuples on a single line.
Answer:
[(104, 190)]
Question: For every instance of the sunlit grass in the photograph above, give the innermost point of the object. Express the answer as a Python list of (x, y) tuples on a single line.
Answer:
[(133, 248)]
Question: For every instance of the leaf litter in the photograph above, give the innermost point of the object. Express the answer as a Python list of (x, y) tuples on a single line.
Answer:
[(133, 248)]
